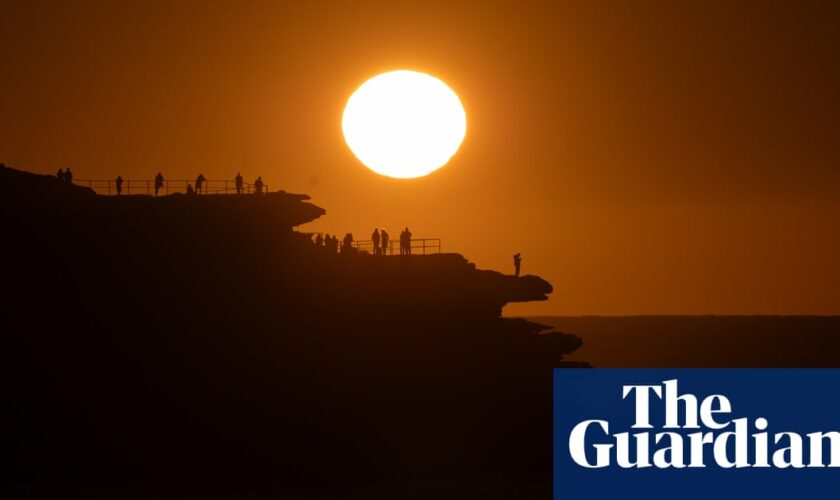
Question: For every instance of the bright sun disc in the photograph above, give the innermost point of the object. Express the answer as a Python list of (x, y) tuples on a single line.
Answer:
[(404, 124)]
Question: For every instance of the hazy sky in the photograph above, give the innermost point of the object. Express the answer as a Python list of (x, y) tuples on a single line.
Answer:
[(645, 157)]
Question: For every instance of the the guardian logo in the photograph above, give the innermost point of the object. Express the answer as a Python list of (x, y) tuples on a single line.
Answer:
[(696, 432)]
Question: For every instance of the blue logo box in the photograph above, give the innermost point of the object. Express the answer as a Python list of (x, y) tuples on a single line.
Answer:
[(696, 433)]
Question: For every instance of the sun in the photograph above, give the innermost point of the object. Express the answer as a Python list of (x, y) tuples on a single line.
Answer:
[(404, 124)]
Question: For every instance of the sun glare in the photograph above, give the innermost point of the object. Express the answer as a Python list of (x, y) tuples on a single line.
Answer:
[(404, 124)]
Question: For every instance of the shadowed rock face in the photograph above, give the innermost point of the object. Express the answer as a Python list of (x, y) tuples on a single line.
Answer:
[(202, 339)]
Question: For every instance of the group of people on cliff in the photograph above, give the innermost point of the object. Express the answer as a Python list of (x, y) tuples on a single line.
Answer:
[(65, 176), (380, 240), (159, 182)]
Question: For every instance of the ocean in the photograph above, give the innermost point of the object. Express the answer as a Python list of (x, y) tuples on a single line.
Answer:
[(702, 341)]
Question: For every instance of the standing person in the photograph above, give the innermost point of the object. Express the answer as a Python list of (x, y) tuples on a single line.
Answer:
[(258, 185), (517, 263), (238, 183), (119, 182), (347, 244), (384, 235), (158, 182), (319, 240), (375, 238), (60, 175), (199, 182), (407, 241), (68, 176)]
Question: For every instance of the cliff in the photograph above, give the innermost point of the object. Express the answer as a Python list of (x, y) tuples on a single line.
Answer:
[(195, 338)]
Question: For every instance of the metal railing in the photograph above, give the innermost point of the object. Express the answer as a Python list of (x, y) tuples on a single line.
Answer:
[(420, 246), (417, 246), (147, 186)]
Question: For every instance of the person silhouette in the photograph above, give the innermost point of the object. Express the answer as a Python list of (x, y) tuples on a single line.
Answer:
[(190, 189), (68, 176), (258, 186), (199, 183), (517, 263), (347, 244), (119, 183), (375, 239), (385, 237), (60, 175), (238, 183), (407, 241), (158, 182)]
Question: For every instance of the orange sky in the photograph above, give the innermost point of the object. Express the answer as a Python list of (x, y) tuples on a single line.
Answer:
[(644, 157)]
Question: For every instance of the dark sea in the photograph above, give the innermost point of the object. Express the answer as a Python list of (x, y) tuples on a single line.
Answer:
[(703, 341)]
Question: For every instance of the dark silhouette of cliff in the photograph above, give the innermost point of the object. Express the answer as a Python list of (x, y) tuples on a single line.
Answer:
[(201, 340)]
